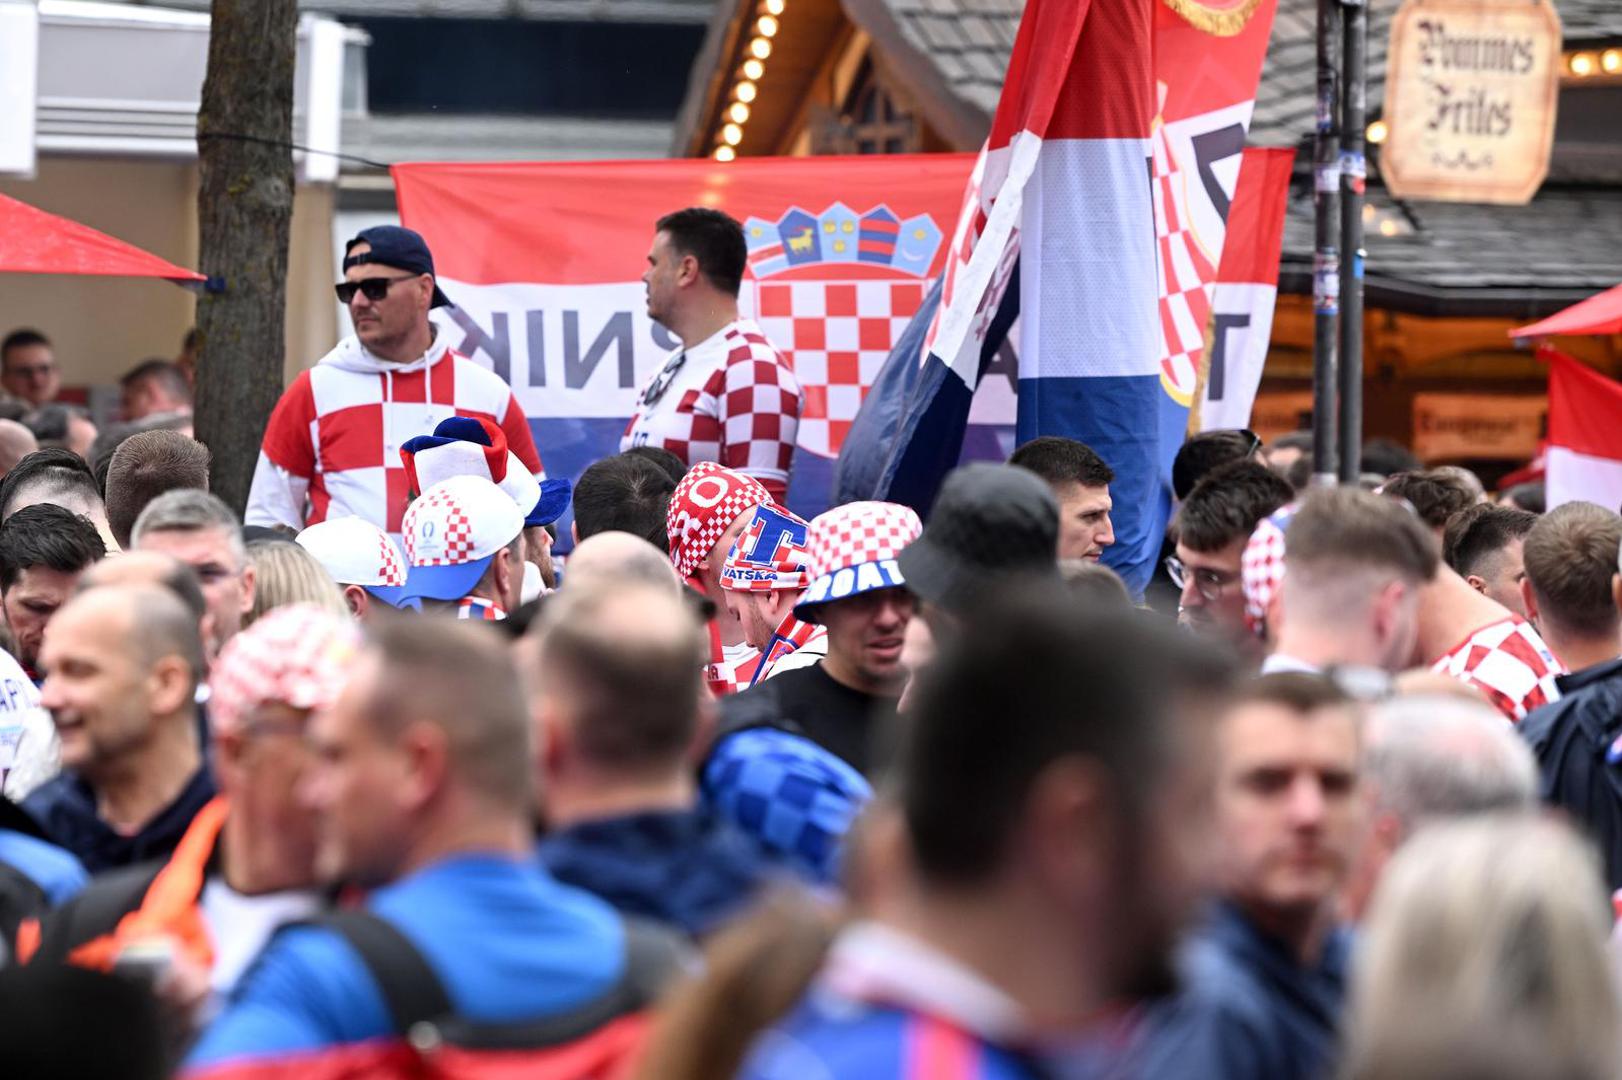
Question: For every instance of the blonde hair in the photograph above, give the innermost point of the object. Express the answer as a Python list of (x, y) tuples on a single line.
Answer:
[(1485, 956), (284, 573)]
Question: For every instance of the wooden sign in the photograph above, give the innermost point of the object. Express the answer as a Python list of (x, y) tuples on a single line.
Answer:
[(1470, 94), (1449, 427), (1279, 412)]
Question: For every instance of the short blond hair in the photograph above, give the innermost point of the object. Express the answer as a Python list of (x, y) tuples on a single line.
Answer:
[(284, 574), (1487, 938)]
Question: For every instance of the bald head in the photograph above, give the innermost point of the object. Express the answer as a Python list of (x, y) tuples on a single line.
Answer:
[(149, 621), (149, 568), (619, 557), (16, 443), (621, 666)]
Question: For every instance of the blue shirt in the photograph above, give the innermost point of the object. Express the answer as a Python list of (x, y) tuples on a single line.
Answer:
[(55, 871), (683, 868), (508, 943), (1249, 1010)]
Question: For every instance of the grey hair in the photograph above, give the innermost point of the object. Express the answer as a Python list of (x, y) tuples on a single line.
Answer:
[(190, 510), (1430, 757)]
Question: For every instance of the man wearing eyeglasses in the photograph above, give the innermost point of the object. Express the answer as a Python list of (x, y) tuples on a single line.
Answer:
[(332, 447), (1214, 522)]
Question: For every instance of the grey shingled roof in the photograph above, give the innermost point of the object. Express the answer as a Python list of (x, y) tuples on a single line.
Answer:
[(969, 42)]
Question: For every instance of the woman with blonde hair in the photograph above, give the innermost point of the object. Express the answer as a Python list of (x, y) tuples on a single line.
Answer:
[(1484, 957), (284, 574)]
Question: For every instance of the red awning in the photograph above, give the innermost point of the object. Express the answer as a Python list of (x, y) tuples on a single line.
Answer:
[(34, 242), (1601, 314)]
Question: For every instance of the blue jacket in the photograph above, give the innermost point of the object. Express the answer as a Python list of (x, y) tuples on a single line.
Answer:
[(1248, 1010), (508, 943), (65, 807), (1578, 745), (684, 868)]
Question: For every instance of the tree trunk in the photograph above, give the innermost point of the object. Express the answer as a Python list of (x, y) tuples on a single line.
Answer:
[(244, 214)]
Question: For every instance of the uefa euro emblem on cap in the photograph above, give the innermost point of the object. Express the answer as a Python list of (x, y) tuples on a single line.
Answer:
[(877, 238)]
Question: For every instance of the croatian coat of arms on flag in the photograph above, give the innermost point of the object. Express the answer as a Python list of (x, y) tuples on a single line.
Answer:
[(834, 291)]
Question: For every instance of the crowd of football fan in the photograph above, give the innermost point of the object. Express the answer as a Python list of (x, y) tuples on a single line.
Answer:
[(373, 785)]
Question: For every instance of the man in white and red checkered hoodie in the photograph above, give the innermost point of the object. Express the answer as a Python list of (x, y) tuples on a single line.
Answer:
[(332, 447), (727, 395)]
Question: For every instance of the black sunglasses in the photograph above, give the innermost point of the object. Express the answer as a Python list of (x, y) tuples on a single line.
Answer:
[(374, 289), (661, 382)]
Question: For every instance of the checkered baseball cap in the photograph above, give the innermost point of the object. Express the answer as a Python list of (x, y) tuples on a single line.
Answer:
[(356, 552), (475, 446), (1261, 566), (769, 555), (452, 533), (298, 655), (703, 506), (853, 550)]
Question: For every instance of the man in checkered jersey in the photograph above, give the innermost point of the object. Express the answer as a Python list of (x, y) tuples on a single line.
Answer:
[(727, 395), (332, 447)]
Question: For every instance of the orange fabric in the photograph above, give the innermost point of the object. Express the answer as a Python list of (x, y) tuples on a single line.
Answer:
[(27, 940), (169, 909)]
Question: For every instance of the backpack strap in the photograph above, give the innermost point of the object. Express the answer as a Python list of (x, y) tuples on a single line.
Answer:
[(96, 911), (413, 993)]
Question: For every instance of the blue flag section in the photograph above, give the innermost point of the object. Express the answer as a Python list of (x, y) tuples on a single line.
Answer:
[(909, 432)]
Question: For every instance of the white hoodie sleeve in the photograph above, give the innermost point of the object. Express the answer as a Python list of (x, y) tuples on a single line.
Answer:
[(277, 497)]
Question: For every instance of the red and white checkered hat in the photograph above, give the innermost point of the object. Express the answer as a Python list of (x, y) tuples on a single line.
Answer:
[(703, 506), (853, 549), (1261, 567), (356, 552), (452, 533), (298, 655)]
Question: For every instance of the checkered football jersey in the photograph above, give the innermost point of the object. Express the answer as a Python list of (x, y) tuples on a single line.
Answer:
[(733, 669), (1509, 663), (734, 400), (332, 447)]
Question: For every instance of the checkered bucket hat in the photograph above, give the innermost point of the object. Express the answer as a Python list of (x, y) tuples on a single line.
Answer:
[(770, 554), (703, 506), (1261, 567), (853, 550)]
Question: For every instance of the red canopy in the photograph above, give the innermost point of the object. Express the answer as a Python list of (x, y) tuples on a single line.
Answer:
[(1601, 314), (34, 242)]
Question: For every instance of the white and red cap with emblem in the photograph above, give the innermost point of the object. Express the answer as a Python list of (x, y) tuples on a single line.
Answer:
[(703, 506), (452, 532), (298, 656), (853, 550), (356, 552)]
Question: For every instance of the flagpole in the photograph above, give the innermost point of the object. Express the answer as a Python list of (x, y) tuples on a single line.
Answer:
[(1354, 29), (1326, 256)]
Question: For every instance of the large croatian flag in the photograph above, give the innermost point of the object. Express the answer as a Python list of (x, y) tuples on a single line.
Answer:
[(1585, 433), (1096, 216)]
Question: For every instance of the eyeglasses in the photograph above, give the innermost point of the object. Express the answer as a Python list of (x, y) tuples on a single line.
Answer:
[(374, 289), (1255, 441), (1210, 584), (661, 382)]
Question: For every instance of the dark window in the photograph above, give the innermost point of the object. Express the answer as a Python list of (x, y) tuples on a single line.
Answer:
[(872, 121), (619, 70)]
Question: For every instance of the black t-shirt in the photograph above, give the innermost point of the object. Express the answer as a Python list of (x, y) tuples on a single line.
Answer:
[(833, 715)]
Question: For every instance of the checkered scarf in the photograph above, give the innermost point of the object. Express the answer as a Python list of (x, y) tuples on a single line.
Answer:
[(706, 502), (298, 656)]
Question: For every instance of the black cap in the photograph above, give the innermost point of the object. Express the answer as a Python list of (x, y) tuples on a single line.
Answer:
[(399, 247), (989, 522)]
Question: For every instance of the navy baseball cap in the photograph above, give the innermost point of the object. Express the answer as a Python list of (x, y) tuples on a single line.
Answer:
[(399, 247)]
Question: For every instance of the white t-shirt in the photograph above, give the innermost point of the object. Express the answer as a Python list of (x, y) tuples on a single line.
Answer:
[(28, 745), (241, 925)]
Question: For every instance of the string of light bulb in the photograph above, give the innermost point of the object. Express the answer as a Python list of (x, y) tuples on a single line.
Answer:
[(767, 22)]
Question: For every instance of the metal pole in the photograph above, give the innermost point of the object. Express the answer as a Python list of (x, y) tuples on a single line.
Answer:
[(1354, 115), (1326, 256)]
